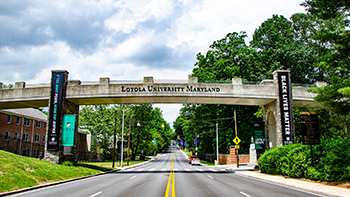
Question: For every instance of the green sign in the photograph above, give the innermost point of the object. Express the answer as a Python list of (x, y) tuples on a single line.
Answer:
[(68, 127)]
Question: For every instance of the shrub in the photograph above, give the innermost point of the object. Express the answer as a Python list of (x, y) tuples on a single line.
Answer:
[(331, 161)]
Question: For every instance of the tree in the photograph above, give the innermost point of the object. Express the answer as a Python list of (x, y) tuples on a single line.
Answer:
[(99, 120), (285, 45), (334, 33)]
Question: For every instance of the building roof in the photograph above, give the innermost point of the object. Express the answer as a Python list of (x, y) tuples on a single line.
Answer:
[(27, 113)]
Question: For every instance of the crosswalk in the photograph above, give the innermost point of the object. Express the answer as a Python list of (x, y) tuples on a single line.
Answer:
[(175, 170)]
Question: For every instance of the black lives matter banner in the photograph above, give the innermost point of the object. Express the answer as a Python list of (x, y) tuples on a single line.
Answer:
[(55, 106), (286, 108)]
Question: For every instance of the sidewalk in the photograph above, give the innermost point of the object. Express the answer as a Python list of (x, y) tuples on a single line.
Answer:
[(247, 170), (325, 190)]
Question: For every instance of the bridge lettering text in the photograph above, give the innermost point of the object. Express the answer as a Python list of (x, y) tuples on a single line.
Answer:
[(169, 89)]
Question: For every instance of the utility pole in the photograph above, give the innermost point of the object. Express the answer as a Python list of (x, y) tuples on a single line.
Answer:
[(128, 146), (236, 136), (217, 143), (122, 144), (114, 134)]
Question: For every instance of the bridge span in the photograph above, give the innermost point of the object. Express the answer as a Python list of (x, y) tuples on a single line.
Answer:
[(63, 97), (150, 92)]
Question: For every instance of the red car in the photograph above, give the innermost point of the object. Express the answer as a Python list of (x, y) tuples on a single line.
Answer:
[(191, 158)]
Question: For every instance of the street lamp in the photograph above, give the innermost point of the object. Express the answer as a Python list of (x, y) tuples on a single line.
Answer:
[(122, 146)]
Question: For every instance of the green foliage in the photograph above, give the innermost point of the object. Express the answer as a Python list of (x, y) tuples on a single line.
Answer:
[(100, 120), (331, 161), (333, 32)]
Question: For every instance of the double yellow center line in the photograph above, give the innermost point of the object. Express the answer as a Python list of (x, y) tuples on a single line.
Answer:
[(171, 181)]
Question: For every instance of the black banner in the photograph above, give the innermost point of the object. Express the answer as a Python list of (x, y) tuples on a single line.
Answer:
[(55, 106), (285, 98), (309, 128)]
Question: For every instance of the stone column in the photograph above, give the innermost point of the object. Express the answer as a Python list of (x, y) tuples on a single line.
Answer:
[(273, 111), (252, 154), (58, 106)]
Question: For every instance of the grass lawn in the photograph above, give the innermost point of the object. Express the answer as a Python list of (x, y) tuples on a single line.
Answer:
[(18, 172)]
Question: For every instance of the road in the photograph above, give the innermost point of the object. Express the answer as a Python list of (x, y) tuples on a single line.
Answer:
[(169, 175)]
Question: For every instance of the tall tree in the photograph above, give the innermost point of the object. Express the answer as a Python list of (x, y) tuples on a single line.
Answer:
[(284, 45)]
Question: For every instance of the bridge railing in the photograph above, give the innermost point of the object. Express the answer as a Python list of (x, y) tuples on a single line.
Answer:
[(270, 82)]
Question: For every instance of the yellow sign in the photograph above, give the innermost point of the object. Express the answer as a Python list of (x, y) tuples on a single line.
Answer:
[(236, 146), (236, 140)]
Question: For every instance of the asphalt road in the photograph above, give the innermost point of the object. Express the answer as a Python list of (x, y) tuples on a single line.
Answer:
[(169, 175)]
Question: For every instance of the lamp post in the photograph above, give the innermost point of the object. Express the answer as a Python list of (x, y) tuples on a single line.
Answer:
[(122, 146)]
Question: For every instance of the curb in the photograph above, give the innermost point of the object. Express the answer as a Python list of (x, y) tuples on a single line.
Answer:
[(71, 180), (289, 185)]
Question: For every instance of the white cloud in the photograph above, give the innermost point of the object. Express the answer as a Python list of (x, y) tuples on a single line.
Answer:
[(127, 39)]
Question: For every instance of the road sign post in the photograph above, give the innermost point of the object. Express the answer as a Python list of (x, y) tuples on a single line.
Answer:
[(237, 141)]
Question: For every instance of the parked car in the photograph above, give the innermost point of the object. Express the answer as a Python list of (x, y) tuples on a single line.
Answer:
[(196, 161), (191, 158)]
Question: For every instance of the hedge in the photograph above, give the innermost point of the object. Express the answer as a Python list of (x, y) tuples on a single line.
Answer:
[(331, 161)]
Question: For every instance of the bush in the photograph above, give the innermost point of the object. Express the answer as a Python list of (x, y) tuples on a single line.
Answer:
[(331, 161)]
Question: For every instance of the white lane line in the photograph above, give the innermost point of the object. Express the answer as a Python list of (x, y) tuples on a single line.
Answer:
[(175, 169), (132, 177), (245, 194), (96, 194), (213, 170), (199, 169), (186, 169), (210, 177), (152, 169), (163, 169), (140, 169)]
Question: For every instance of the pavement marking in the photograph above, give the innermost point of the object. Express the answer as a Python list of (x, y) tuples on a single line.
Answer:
[(199, 169), (163, 169), (96, 194), (210, 177), (132, 177), (213, 170), (186, 169), (152, 169), (175, 169), (140, 169), (245, 194), (171, 178)]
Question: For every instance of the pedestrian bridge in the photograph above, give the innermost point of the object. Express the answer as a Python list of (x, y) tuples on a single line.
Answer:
[(64, 97), (148, 91)]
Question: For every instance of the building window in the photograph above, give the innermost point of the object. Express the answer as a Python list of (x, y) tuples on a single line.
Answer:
[(27, 122), (7, 136), (18, 120), (9, 117), (16, 137), (37, 138), (36, 152), (38, 124), (45, 125), (15, 151), (25, 137), (44, 138)]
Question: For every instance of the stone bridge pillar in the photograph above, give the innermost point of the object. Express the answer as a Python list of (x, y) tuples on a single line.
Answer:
[(278, 115), (58, 107)]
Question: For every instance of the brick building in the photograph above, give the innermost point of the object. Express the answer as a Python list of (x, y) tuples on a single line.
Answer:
[(23, 131)]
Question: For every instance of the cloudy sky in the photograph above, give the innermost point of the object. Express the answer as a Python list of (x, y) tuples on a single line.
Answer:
[(122, 40)]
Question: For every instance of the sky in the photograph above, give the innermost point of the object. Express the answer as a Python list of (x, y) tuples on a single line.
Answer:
[(122, 40)]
